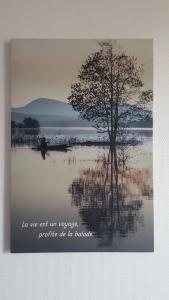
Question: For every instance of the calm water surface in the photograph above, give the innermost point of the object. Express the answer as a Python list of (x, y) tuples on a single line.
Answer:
[(115, 204)]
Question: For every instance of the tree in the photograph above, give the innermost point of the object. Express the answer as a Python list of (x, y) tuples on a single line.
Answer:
[(108, 88), (145, 101), (30, 123)]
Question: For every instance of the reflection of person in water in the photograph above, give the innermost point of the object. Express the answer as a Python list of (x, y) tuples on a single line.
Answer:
[(43, 147), (43, 153)]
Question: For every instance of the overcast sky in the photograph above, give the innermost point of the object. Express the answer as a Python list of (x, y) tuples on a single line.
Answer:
[(47, 68)]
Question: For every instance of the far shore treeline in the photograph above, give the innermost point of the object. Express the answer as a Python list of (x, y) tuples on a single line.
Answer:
[(27, 123)]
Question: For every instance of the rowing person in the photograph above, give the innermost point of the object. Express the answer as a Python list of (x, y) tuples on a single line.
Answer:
[(43, 143)]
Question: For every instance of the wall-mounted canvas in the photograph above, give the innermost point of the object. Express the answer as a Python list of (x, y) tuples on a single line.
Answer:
[(81, 145)]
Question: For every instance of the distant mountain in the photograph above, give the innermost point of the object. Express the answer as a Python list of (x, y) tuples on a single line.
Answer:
[(54, 113), (43, 106), (49, 113)]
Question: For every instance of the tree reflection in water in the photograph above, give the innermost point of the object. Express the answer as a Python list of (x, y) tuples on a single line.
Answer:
[(110, 197)]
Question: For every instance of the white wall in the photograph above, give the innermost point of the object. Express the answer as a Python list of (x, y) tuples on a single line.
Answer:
[(88, 276)]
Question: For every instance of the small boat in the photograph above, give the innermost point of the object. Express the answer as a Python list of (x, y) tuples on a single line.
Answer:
[(62, 147)]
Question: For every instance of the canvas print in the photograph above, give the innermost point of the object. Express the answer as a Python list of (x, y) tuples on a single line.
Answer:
[(81, 145)]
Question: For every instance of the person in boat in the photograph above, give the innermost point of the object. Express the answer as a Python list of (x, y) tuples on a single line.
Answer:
[(43, 144)]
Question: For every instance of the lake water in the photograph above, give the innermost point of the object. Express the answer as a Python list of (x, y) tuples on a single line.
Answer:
[(109, 201)]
